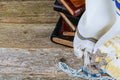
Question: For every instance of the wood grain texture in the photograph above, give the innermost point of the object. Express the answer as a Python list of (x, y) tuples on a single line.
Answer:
[(27, 11), (33, 64), (26, 53), (26, 36)]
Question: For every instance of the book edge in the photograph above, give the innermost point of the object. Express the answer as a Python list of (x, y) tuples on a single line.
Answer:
[(68, 22), (68, 33), (69, 9), (62, 41)]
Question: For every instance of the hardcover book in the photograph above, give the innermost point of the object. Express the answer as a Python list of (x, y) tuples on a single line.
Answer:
[(59, 7), (58, 38), (66, 31), (72, 21), (75, 7)]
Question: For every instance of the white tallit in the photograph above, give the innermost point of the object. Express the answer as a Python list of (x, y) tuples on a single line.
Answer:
[(94, 23)]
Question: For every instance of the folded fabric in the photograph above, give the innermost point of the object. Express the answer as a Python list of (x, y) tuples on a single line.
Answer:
[(97, 19), (114, 30), (94, 23), (80, 43), (108, 57)]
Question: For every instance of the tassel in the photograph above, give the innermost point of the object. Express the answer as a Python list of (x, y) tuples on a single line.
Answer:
[(86, 58)]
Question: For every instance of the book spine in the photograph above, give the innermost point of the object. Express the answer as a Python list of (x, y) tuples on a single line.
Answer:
[(71, 34), (67, 6), (77, 12), (68, 22), (62, 42)]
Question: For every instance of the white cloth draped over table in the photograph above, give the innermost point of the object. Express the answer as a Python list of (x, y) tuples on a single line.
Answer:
[(94, 23), (100, 22)]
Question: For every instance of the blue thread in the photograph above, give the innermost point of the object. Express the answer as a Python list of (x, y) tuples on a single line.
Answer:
[(76, 73), (117, 4), (93, 75), (118, 13)]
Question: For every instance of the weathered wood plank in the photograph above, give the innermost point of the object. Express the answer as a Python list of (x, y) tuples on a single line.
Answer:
[(38, 58), (35, 64), (27, 11), (26, 35)]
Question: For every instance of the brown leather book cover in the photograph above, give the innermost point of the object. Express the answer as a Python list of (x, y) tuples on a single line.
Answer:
[(75, 7), (58, 38), (72, 21), (66, 30)]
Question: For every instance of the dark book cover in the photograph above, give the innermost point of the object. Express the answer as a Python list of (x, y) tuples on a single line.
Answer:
[(58, 38), (72, 21), (75, 7), (59, 7), (66, 30)]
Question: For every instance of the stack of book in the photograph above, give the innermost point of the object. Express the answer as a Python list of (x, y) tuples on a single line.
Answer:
[(70, 12)]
